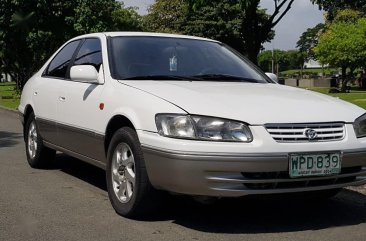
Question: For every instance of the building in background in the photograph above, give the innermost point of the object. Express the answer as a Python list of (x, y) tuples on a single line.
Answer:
[(5, 78), (313, 64)]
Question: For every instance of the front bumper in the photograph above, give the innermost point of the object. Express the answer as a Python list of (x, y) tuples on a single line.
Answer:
[(234, 175)]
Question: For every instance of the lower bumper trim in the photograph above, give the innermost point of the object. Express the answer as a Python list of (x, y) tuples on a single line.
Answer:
[(225, 175)]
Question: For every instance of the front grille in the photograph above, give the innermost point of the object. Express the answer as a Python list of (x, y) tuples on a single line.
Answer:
[(297, 132), (280, 182)]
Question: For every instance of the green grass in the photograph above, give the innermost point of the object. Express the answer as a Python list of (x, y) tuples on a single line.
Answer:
[(8, 96), (356, 96)]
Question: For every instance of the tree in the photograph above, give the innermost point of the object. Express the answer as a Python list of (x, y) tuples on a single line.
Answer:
[(265, 59), (31, 30), (308, 40), (219, 20), (343, 45), (257, 26), (296, 60), (238, 23), (167, 16), (282, 60), (332, 7), (104, 15), (126, 19)]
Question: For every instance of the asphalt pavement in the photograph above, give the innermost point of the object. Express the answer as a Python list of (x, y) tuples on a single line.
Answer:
[(69, 201)]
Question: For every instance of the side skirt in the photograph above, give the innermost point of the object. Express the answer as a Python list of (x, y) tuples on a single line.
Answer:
[(77, 155)]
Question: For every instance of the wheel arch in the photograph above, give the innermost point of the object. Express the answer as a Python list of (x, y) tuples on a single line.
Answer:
[(115, 123), (28, 110)]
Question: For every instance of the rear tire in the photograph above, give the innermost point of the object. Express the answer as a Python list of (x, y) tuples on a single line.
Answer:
[(38, 155), (129, 189)]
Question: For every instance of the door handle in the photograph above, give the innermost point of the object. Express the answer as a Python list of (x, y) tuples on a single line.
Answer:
[(62, 98)]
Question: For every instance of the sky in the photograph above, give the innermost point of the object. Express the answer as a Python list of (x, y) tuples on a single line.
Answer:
[(302, 15)]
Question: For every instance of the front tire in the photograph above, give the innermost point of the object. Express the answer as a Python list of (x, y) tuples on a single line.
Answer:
[(38, 155), (129, 188)]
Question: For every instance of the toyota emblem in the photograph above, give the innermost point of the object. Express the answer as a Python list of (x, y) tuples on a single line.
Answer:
[(311, 134)]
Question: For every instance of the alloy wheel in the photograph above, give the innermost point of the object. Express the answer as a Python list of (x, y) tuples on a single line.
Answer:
[(123, 172), (32, 140)]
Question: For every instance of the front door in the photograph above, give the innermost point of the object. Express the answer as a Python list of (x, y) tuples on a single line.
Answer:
[(79, 107)]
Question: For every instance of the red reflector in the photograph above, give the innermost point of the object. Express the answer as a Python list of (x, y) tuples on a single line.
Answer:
[(101, 106)]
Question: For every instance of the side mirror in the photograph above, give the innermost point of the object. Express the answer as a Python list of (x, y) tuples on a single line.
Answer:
[(84, 73), (272, 77)]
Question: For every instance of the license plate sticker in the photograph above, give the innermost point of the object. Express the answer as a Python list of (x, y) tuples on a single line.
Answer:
[(305, 165)]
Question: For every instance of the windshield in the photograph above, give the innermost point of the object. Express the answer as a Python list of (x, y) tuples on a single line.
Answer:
[(166, 58)]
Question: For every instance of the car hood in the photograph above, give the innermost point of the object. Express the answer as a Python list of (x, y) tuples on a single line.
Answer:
[(255, 104)]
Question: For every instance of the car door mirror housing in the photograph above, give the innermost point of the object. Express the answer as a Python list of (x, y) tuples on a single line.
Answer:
[(272, 77), (84, 73)]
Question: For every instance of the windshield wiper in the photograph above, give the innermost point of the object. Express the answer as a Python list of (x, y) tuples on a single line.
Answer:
[(223, 77), (162, 77)]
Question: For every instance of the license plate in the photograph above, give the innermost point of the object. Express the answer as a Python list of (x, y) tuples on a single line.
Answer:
[(304, 165)]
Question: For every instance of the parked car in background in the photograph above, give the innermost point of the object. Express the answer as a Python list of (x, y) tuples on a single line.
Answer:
[(187, 115)]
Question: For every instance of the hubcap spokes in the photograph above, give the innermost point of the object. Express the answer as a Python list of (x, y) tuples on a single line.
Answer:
[(32, 140), (123, 172)]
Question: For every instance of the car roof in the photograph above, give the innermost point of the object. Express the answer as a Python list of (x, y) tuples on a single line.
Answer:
[(142, 34)]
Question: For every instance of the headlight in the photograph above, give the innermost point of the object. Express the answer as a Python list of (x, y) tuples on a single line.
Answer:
[(202, 128), (360, 126)]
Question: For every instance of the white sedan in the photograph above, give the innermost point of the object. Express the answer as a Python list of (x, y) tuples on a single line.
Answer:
[(187, 115)]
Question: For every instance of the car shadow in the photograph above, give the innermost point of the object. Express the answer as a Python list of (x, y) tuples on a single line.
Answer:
[(9, 139), (252, 215), (88, 91), (81, 170), (248, 215)]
